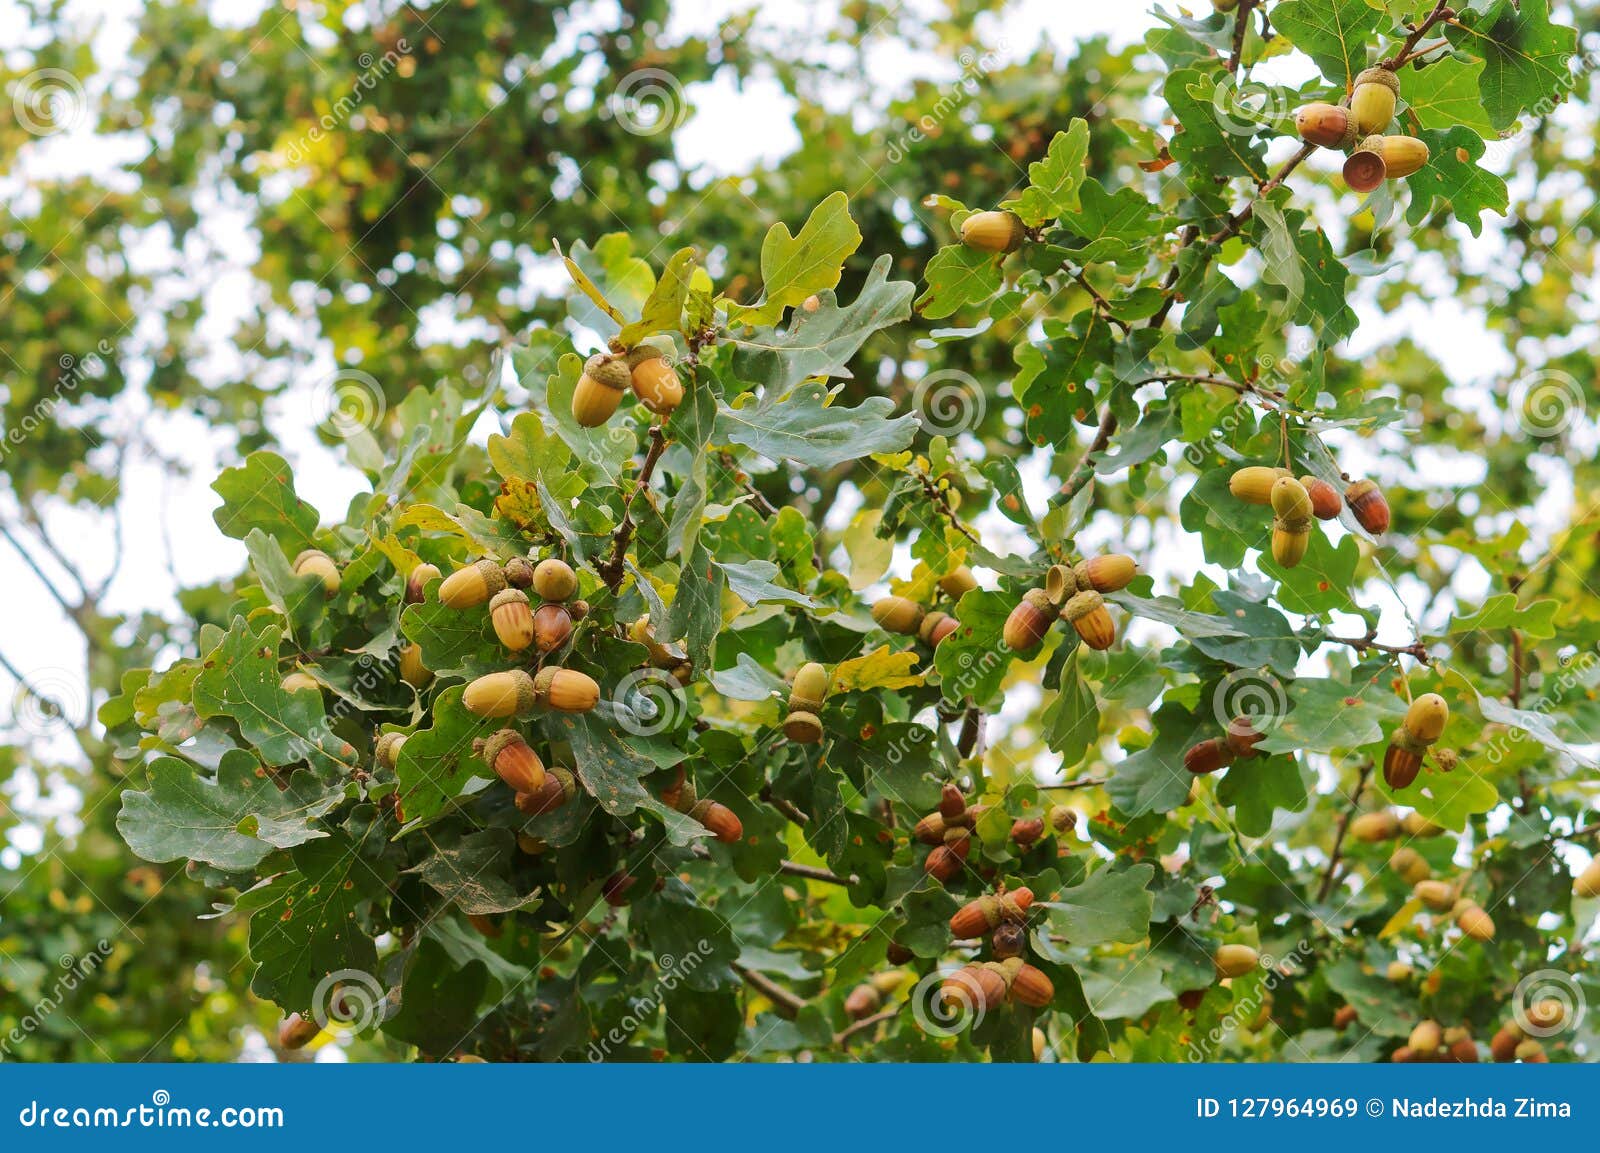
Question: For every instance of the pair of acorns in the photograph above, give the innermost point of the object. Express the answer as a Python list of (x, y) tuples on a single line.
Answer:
[(516, 623), (1386, 825), (722, 822), (810, 688), (1430, 1041), (949, 830), (984, 985), (1510, 1043), (1071, 593), (1422, 725), (1213, 753), (1445, 898), (1358, 129), (516, 693), (538, 790), (898, 614), (646, 368)]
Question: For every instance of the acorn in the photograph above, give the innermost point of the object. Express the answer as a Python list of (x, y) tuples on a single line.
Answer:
[(952, 802), (1253, 483), (513, 619), (1426, 1037), (554, 580), (1439, 896), (1398, 972), (412, 670), (1026, 831), (1368, 506), (1191, 999), (577, 609), (1207, 756), (387, 751), (605, 378), (1325, 125), (1409, 866), (1040, 1043), (1009, 940), (1235, 960), (1475, 923), (1326, 503), (1424, 721), (565, 690), (315, 562), (1373, 99), (1587, 883), (897, 954), (1402, 155), (1414, 824), (505, 694), (558, 788), (897, 615), (472, 586), (1370, 828), (1503, 1045), (1110, 573), (1029, 986), (1088, 615), (1461, 1049), (552, 625), (957, 584), (296, 1032), (298, 682), (1531, 1052), (993, 231), (513, 760), (660, 655), (863, 1001), (418, 581), (935, 627), (1364, 169), (722, 821), (803, 728), (973, 988), (810, 688), (1344, 1017), (944, 862), (1291, 525), (1028, 622), (1063, 818), (655, 381), (1404, 1055), (989, 912), (518, 572), (1242, 737), (930, 830)]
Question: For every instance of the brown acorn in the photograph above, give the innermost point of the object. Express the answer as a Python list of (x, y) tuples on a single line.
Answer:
[(1291, 525), (1344, 1017), (412, 670), (973, 988), (315, 562), (1026, 831), (472, 586), (1587, 883), (803, 728), (1253, 483), (552, 625), (930, 830), (565, 690), (1326, 503), (518, 572), (1207, 756), (655, 381), (1372, 100), (1475, 923), (1371, 828), (1190, 999), (897, 954), (943, 863), (935, 627), (505, 694), (989, 911), (1242, 737), (417, 583), (993, 231), (1463, 1051), (723, 822), (863, 1001), (952, 802), (1029, 986), (897, 615), (1106, 574), (1235, 960), (1368, 506), (1426, 1037), (387, 751), (512, 618), (298, 682), (1063, 819), (513, 760), (1531, 1052), (296, 1032), (958, 583), (1364, 169), (1405, 1055), (1087, 613), (554, 580), (810, 688), (1503, 1045), (599, 390), (1403, 156), (616, 889), (1325, 125), (558, 788), (1028, 622)]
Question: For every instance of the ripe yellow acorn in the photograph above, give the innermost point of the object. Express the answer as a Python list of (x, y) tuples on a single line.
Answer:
[(1424, 721), (803, 727), (1398, 972), (1106, 574), (500, 694), (1039, 1044), (1475, 923), (472, 586), (412, 670), (418, 581), (897, 615), (1365, 168), (513, 760), (566, 690), (958, 583), (1325, 125), (1437, 895), (1426, 717), (1403, 156), (298, 682), (554, 580), (552, 625), (1235, 960), (655, 381), (810, 688), (1416, 825), (1408, 865), (1372, 102), (1531, 1052), (600, 389), (1426, 1037), (1291, 525), (1370, 828), (1028, 622), (935, 627), (1088, 615), (1587, 883), (1325, 500), (993, 231), (387, 751), (512, 618), (315, 562), (1253, 483), (1368, 506)]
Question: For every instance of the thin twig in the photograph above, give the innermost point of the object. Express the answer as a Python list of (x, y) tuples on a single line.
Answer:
[(1416, 649), (843, 1036), (1241, 26), (611, 570), (1338, 838), (784, 1003), (787, 808), (813, 873), (1408, 49)]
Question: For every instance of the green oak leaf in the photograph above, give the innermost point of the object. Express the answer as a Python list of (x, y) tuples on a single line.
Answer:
[(794, 267), (1053, 181), (1113, 905), (472, 874), (806, 428), (1334, 33), (1535, 620), (1452, 175), (1527, 61), (662, 310), (259, 494), (958, 276), (439, 999)]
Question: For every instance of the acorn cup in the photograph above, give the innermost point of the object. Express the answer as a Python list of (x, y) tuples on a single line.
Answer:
[(387, 751), (810, 688), (1059, 583), (1373, 99), (1110, 573), (1253, 483), (803, 728), (935, 627), (1326, 503), (1424, 722), (993, 232), (418, 581), (989, 912), (1325, 125), (957, 584), (1368, 506), (1587, 883), (558, 788), (1365, 169), (1063, 818), (605, 378), (412, 670), (512, 618), (1087, 614), (1235, 960), (897, 615), (554, 580), (1028, 622), (552, 625), (565, 690), (506, 694), (1291, 525), (296, 1032), (472, 586), (655, 381), (513, 760), (1207, 756), (931, 829), (315, 562)]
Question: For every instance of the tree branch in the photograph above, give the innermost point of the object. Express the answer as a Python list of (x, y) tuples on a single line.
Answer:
[(1338, 838), (1409, 50), (1416, 649), (611, 570), (784, 1003), (1241, 26), (843, 1036), (813, 873)]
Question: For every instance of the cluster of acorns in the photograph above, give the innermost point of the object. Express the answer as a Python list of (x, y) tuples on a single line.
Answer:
[(806, 694), (1441, 897), (646, 368), (538, 790), (984, 985), (897, 614), (949, 830), (1295, 502), (1072, 593), (1358, 129)]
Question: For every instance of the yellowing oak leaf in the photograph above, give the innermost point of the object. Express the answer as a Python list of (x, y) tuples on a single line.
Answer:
[(879, 669)]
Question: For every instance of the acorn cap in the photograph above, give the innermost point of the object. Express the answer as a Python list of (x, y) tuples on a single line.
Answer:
[(1379, 75), (1082, 604), (309, 554), (642, 352), (489, 748), (611, 371), (802, 727), (810, 687), (507, 597), (1059, 583), (387, 750), (1364, 169)]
